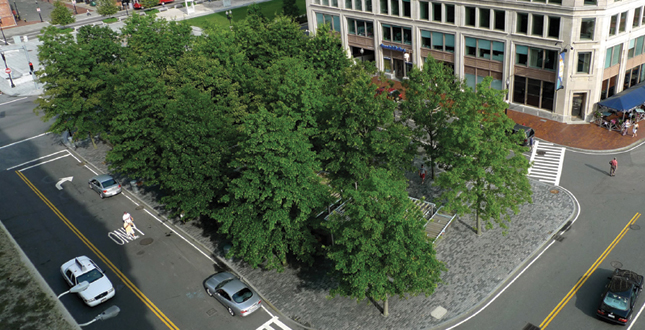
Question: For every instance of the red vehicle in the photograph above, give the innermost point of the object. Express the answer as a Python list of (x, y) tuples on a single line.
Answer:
[(137, 5)]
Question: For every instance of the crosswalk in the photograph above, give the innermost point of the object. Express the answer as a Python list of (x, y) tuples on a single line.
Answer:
[(273, 324), (547, 162)]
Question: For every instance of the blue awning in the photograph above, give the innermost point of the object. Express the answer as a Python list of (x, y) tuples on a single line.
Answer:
[(626, 100)]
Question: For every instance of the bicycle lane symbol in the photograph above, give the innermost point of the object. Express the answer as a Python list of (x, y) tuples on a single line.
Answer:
[(120, 237)]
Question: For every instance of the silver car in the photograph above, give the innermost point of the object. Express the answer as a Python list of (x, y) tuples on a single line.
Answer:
[(105, 185), (232, 293)]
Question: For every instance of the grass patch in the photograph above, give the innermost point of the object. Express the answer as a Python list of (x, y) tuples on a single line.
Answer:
[(151, 12), (269, 9), (110, 20)]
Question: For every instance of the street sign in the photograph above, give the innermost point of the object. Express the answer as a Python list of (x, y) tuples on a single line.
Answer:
[(7, 71)]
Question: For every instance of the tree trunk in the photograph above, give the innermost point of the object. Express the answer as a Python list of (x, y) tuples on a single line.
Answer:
[(479, 222), (92, 139), (386, 311)]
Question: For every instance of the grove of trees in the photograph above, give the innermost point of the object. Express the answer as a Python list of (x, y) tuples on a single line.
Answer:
[(255, 128)]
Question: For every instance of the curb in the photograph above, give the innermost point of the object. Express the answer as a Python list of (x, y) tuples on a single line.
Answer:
[(41, 281), (171, 222), (599, 152), (563, 227)]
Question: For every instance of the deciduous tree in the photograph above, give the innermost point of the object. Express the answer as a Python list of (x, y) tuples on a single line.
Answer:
[(106, 7), (61, 15), (290, 8)]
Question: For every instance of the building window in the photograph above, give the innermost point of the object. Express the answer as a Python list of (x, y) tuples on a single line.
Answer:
[(475, 76), (612, 25), (623, 22), (554, 27), (424, 10), (533, 92), (538, 25), (361, 28), (636, 21), (636, 47), (522, 23), (584, 62), (348, 4), (358, 5), (590, 2), (384, 7), (613, 55), (484, 18), (436, 12), (587, 27), (394, 7), (406, 8), (486, 49), (470, 16), (397, 34), (332, 21), (608, 87), (450, 14), (500, 20), (632, 77), (438, 41), (536, 58)]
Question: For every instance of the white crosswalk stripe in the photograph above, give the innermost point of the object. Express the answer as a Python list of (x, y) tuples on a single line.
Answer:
[(547, 162), (273, 324)]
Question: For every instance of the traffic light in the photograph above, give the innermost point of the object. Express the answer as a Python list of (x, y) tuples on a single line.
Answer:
[(31, 67)]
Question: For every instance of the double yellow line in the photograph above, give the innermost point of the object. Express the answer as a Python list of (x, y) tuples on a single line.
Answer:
[(103, 258), (584, 278)]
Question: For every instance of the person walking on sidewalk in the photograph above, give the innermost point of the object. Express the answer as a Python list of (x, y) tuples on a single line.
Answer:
[(422, 174), (614, 164), (635, 130)]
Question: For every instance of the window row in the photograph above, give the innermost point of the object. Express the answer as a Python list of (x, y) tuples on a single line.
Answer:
[(360, 28), (485, 18), (617, 24), (533, 92), (438, 41), (613, 55), (331, 20), (490, 50), (551, 2), (538, 24), (393, 7), (397, 34), (441, 12), (358, 5), (634, 76), (636, 47), (536, 58)]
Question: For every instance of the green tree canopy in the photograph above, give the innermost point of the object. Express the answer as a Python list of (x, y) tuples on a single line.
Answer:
[(61, 15), (149, 3), (380, 247), (290, 8), (106, 7), (488, 173)]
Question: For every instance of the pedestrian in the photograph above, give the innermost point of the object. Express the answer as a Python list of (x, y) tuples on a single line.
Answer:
[(128, 224), (626, 125), (531, 144), (635, 130), (614, 164), (422, 174)]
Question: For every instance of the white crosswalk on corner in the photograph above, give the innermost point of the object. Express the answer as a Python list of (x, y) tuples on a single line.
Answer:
[(547, 160), (273, 324)]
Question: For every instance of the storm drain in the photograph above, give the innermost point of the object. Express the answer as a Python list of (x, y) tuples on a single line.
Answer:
[(146, 241), (617, 264), (634, 227), (211, 312)]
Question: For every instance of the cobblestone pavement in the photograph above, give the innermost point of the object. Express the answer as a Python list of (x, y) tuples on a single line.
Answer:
[(476, 265)]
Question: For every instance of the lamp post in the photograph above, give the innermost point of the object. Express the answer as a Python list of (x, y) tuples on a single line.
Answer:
[(3, 37), (406, 57), (7, 70), (229, 15), (38, 10), (362, 51), (76, 288), (107, 314)]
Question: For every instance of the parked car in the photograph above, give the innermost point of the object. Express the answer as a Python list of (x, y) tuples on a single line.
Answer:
[(82, 269), (392, 93), (527, 131), (232, 293), (105, 185), (619, 296)]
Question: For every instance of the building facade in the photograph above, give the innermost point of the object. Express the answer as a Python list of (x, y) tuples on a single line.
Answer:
[(557, 58)]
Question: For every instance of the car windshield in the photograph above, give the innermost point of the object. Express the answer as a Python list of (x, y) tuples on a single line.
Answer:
[(615, 301), (90, 276), (242, 295), (108, 183)]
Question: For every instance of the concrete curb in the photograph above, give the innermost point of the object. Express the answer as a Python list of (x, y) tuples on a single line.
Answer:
[(563, 227), (41, 281), (599, 152), (172, 223)]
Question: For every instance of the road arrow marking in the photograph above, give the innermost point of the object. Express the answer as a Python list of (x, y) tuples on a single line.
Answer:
[(59, 184)]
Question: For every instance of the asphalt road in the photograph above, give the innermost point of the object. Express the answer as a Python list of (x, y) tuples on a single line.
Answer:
[(158, 277), (548, 293)]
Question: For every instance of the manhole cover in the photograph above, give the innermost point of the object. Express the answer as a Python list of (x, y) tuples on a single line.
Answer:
[(146, 241), (635, 227), (541, 153), (139, 208), (617, 264), (211, 312), (555, 191), (140, 252)]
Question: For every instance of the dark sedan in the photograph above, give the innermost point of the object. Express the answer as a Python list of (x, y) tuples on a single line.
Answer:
[(619, 296)]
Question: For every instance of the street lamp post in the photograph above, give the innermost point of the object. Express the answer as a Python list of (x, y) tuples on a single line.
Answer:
[(76, 288), (406, 57), (7, 70), (107, 314), (362, 51), (3, 37), (229, 15)]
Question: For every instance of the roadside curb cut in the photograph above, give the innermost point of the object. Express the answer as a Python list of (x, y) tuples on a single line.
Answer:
[(562, 227), (172, 223), (41, 281)]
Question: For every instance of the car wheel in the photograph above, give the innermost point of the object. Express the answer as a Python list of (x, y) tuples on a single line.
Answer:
[(209, 292), (101, 195), (230, 311)]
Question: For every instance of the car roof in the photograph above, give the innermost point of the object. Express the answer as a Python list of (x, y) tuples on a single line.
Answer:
[(79, 265), (102, 177), (234, 287)]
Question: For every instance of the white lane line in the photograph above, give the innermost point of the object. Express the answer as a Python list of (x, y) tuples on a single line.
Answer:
[(33, 160), (16, 100), (636, 317), (559, 173), (21, 141), (273, 321), (41, 163)]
